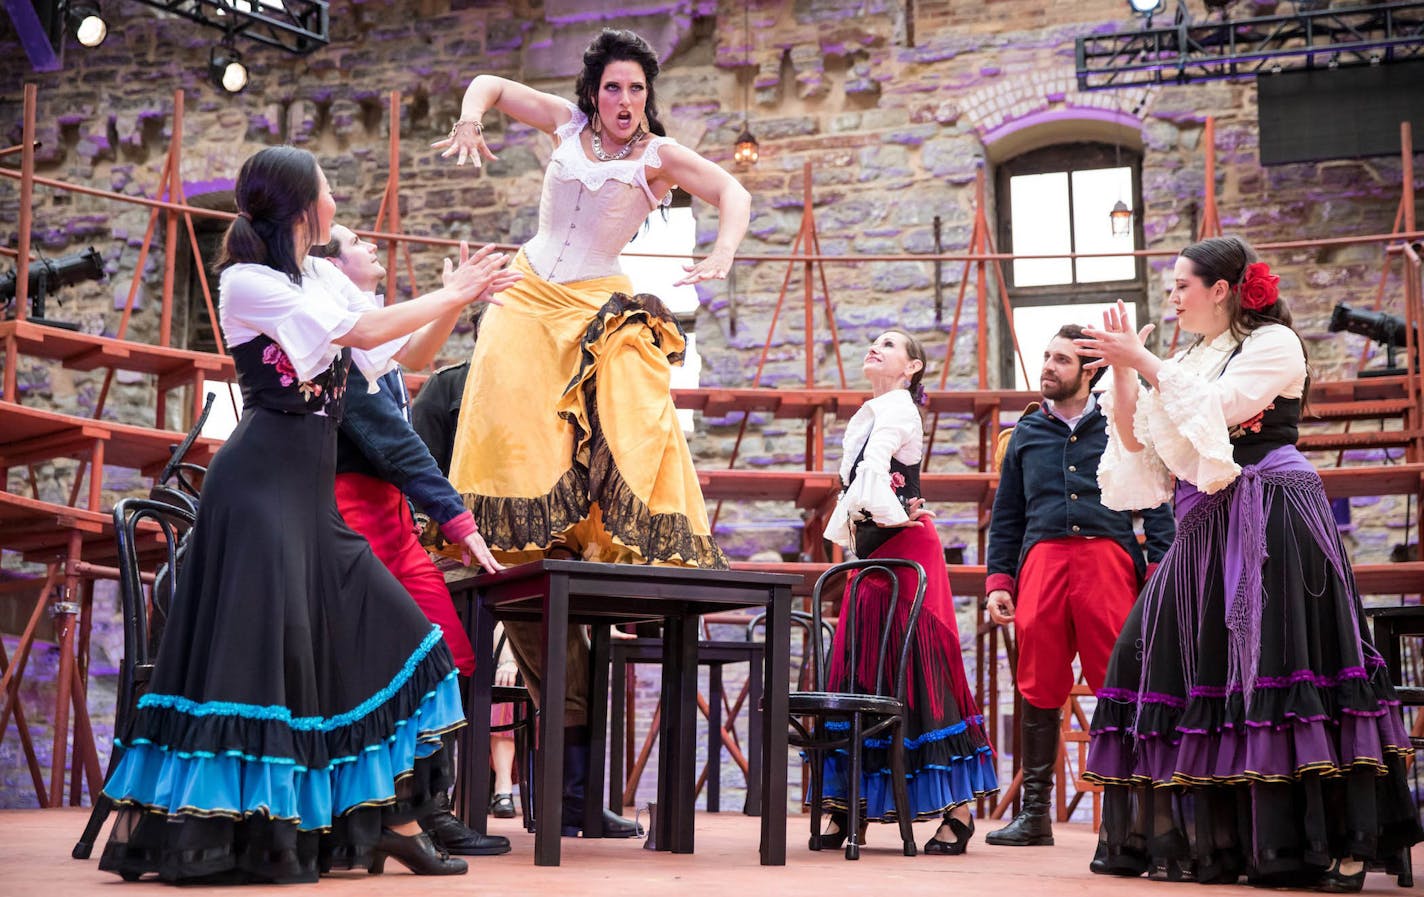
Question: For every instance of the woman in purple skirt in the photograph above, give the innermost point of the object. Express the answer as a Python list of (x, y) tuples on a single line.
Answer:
[(1247, 726)]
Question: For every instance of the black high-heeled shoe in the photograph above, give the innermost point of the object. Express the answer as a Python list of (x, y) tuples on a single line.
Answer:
[(830, 840), (1336, 882), (962, 834), (415, 852)]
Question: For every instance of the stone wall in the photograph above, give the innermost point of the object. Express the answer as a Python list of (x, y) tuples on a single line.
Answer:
[(895, 131)]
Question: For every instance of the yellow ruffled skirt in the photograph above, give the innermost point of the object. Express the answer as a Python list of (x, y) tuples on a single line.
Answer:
[(568, 435)]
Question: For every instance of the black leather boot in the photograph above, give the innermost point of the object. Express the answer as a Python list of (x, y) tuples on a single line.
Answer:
[(576, 760), (449, 833), (1032, 827)]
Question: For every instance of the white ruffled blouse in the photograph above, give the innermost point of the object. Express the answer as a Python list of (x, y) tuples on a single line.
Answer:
[(303, 319), (887, 426), (1183, 424)]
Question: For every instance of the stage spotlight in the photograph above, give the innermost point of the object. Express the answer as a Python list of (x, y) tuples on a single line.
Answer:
[(1146, 7), (1384, 328), (86, 23), (225, 69), (52, 274)]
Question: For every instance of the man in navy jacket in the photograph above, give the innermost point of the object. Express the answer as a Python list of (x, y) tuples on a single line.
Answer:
[(380, 462), (1061, 567)]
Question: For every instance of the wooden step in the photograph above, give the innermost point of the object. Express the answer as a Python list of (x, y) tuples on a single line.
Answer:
[(801, 403), (1386, 479), (40, 531), (1356, 439), (32, 435), (816, 489), (968, 579), (964, 579), (85, 352)]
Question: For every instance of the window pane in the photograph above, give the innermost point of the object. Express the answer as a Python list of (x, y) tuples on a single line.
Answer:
[(1039, 206), (1094, 194), (1035, 325)]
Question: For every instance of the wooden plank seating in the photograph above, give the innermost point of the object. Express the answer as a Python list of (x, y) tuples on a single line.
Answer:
[(31, 435), (1405, 578), (174, 368), (40, 530)]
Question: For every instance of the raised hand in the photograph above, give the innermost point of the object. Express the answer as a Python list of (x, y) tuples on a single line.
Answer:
[(714, 267), (480, 275), (465, 142), (1115, 344)]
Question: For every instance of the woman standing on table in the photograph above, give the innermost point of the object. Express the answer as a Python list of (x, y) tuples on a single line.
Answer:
[(573, 441), (301, 704), (570, 446), (1247, 726), (949, 759)]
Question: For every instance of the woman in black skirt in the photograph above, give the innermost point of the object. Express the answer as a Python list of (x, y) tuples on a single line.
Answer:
[(1247, 726), (301, 704)]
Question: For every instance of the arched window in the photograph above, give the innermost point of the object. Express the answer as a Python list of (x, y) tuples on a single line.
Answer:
[(1057, 200)]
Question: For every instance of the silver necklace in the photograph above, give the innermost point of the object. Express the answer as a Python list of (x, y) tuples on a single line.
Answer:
[(627, 147)]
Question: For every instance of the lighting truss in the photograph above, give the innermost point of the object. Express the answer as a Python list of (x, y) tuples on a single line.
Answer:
[(1187, 51), (297, 26)]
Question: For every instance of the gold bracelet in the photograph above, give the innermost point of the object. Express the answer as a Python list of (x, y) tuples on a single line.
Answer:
[(479, 128)]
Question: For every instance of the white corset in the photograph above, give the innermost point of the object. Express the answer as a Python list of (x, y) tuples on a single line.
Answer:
[(590, 210)]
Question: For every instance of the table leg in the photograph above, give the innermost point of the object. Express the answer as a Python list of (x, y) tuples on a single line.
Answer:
[(677, 758), (776, 700), (550, 787), (598, 732), (475, 766), (714, 738), (756, 664), (617, 693)]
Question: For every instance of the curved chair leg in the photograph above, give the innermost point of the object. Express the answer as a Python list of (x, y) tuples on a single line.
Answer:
[(816, 762), (901, 790), (852, 822)]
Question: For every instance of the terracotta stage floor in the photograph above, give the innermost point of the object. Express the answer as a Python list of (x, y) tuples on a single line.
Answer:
[(35, 862)]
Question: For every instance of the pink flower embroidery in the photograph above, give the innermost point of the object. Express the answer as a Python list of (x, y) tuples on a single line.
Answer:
[(897, 481), (274, 356)]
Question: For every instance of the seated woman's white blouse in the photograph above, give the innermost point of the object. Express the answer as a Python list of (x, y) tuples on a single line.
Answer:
[(888, 426), (302, 318), (1183, 424)]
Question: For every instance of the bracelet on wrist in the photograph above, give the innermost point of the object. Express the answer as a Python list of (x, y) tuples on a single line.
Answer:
[(475, 122)]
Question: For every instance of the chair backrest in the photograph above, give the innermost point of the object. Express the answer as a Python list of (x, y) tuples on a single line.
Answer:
[(145, 617), (870, 567), (180, 481), (804, 621)]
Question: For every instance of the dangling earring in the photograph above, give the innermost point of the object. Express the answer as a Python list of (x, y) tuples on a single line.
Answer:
[(646, 127), (596, 123)]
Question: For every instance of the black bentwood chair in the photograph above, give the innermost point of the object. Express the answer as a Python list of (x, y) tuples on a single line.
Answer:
[(144, 619), (876, 709)]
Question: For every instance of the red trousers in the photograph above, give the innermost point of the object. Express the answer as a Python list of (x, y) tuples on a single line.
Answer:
[(378, 511), (1073, 596)]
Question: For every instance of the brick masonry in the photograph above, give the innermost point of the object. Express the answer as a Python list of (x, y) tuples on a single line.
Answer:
[(895, 132)]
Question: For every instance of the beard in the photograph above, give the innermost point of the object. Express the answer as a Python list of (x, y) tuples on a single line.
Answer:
[(1058, 390)]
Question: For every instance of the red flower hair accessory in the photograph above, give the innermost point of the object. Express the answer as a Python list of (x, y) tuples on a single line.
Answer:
[(1259, 287)]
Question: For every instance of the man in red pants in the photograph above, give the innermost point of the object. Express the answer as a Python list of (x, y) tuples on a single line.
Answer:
[(1061, 567), (380, 462)]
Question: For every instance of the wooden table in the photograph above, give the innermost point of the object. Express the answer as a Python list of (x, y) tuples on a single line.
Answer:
[(560, 592)]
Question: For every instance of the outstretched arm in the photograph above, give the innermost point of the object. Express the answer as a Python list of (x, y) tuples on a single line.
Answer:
[(712, 184), (520, 102)]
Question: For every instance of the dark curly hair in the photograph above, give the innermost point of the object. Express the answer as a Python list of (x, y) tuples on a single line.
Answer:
[(617, 46)]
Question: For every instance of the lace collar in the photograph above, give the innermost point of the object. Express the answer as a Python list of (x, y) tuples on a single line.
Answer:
[(574, 163)]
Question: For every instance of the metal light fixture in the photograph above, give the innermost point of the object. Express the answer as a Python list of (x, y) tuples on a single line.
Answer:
[(748, 150), (226, 70), (1146, 8), (1121, 217), (86, 23)]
